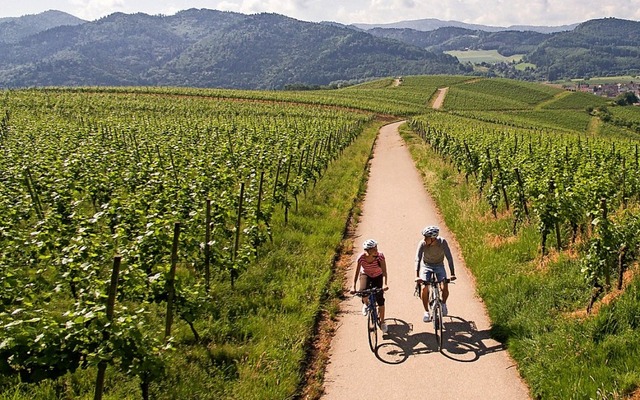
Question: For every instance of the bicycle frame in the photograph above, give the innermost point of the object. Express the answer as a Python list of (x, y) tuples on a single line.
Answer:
[(372, 316), (435, 309), (435, 305)]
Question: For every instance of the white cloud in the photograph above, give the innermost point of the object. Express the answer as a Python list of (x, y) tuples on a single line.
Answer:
[(92, 9), (489, 12)]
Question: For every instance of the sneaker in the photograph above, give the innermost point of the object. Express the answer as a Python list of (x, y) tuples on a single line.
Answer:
[(384, 327), (364, 309), (426, 317), (444, 310)]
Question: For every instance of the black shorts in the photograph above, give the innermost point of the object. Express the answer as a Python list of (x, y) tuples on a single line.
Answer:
[(367, 282)]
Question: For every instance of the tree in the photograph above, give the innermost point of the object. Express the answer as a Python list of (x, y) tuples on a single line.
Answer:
[(627, 98)]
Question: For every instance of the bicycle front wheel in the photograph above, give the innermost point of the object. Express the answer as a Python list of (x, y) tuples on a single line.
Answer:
[(372, 330), (437, 324)]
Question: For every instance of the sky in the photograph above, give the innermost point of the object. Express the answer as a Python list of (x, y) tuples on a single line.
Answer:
[(501, 13)]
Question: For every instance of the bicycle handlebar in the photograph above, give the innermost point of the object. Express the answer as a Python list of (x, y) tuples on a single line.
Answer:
[(422, 281), (367, 292)]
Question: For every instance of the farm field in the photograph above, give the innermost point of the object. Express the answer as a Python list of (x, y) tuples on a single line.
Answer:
[(596, 80), (218, 216), (480, 56)]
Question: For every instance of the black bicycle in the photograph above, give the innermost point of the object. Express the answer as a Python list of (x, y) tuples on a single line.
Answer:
[(372, 315), (435, 307)]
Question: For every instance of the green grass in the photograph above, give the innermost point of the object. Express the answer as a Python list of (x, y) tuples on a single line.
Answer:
[(605, 79), (531, 300), (575, 100), (498, 94), (556, 120), (479, 56), (523, 66)]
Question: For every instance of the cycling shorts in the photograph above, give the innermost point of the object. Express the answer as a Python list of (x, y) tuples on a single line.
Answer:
[(367, 282), (427, 271)]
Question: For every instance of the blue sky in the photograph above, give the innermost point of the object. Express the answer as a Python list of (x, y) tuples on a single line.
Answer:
[(486, 12)]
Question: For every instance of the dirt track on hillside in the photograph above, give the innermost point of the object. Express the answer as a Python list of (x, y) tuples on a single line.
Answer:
[(408, 365), (439, 101)]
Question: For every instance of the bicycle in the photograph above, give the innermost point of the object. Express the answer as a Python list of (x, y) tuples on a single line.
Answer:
[(435, 306), (372, 315)]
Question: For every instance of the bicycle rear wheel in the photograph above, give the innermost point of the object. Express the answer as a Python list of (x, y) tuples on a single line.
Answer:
[(372, 330), (437, 324)]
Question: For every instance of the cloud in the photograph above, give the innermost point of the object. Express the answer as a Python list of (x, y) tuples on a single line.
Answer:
[(488, 12), (91, 9)]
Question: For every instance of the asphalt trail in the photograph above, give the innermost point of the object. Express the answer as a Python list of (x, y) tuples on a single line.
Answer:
[(472, 366)]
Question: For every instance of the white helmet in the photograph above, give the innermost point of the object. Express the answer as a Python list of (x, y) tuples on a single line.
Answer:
[(369, 244), (431, 231)]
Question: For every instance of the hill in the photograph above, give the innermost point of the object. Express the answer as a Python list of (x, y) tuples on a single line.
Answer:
[(599, 47), (207, 48), (430, 24), (506, 43), (13, 30)]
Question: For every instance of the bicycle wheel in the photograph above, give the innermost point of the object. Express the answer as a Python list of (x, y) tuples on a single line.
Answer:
[(437, 324), (372, 329)]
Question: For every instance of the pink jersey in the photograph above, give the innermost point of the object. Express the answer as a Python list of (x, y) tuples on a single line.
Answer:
[(371, 269)]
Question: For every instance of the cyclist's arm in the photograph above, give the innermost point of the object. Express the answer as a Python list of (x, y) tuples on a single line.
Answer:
[(449, 257), (383, 266), (355, 277), (419, 257)]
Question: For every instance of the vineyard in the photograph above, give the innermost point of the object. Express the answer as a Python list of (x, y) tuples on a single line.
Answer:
[(179, 243), (121, 213), (559, 209), (565, 181)]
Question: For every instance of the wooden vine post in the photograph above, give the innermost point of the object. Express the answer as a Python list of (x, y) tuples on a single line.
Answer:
[(286, 188), (236, 245), (207, 246), (111, 302), (171, 288), (501, 178)]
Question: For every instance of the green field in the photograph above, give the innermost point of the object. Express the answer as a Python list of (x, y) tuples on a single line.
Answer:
[(221, 214), (480, 56), (607, 79)]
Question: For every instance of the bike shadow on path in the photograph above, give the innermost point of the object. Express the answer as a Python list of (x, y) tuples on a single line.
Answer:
[(463, 342)]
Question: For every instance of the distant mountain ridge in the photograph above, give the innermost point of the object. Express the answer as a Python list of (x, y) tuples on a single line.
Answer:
[(599, 47), (210, 48), (431, 24)]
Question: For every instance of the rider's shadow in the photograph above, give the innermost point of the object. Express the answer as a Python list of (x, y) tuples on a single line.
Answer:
[(462, 341), (465, 343)]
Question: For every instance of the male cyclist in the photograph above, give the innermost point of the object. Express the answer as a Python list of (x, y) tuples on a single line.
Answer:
[(432, 251)]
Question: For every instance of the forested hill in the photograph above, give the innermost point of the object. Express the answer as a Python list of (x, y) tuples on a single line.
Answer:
[(598, 47), (207, 48), (14, 29), (453, 38)]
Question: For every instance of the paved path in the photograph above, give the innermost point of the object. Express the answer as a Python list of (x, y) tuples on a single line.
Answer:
[(408, 365)]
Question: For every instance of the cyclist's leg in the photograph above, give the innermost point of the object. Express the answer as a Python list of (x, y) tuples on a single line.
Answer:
[(380, 301), (364, 284), (425, 297), (445, 291), (425, 275), (441, 276)]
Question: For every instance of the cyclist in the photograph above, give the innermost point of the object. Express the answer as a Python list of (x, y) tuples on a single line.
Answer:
[(432, 251), (371, 269)]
